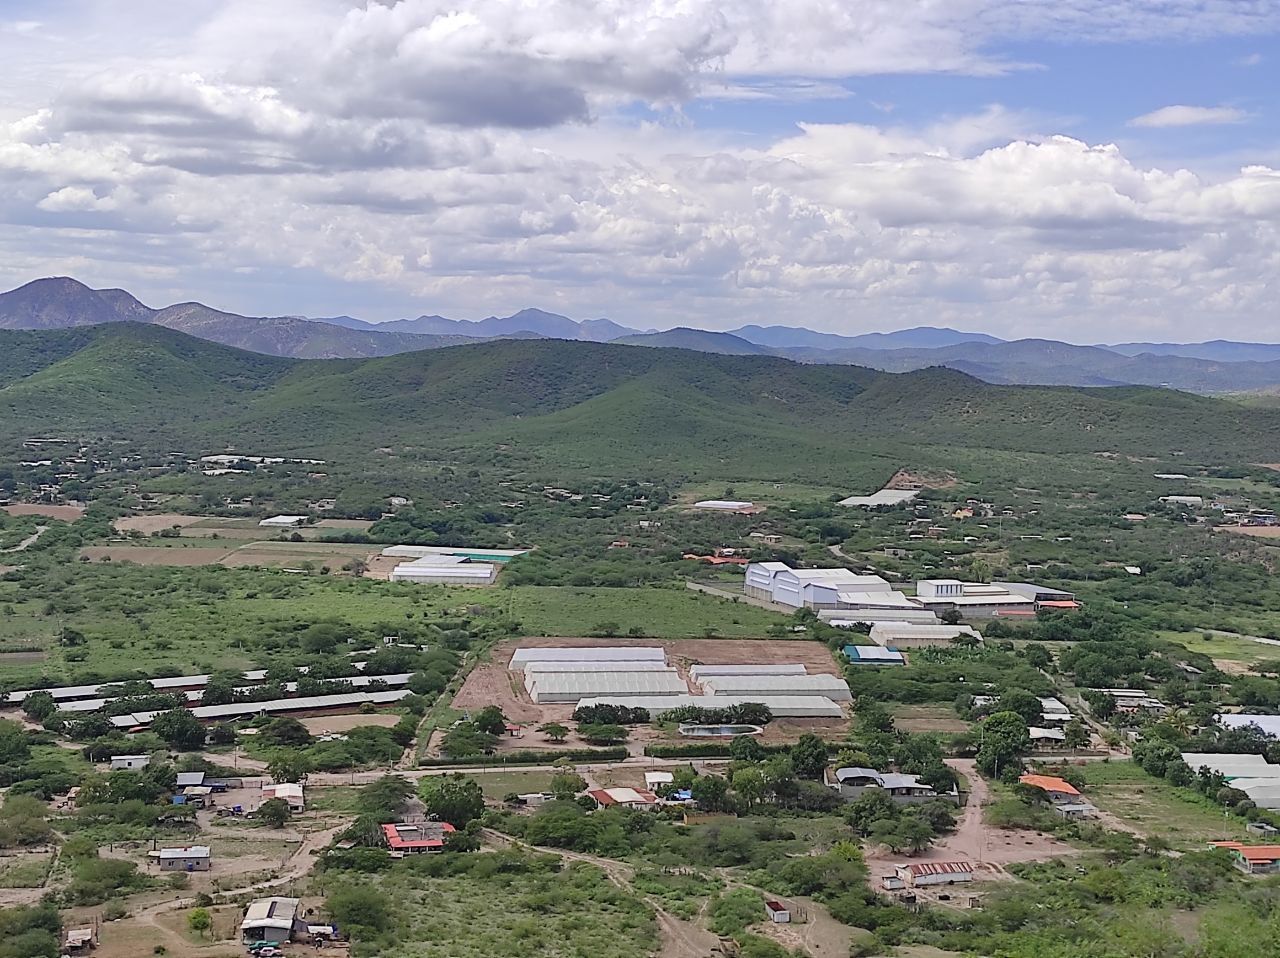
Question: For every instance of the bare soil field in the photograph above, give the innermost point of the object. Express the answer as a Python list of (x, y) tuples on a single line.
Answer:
[(155, 555), (155, 523), (492, 683), (360, 525), (65, 513), (342, 723), (928, 718), (1258, 532)]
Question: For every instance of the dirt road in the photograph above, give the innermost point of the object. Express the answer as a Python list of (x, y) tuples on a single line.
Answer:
[(26, 543)]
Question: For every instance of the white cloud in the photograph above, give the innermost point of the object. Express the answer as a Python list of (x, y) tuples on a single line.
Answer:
[(485, 157), (1181, 115)]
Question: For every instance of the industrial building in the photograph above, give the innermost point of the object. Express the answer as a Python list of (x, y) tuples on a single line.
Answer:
[(1266, 724), (700, 672), (914, 635), (284, 522), (828, 686), (972, 598), (849, 618), (556, 687), (729, 505), (477, 553), (873, 655), (782, 706), (812, 588), (588, 654), (628, 666), (445, 570), (883, 497)]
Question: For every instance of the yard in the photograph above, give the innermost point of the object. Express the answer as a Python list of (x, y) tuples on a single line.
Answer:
[(1152, 806), (928, 718)]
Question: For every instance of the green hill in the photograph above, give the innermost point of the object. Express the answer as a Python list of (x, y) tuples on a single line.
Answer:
[(600, 409)]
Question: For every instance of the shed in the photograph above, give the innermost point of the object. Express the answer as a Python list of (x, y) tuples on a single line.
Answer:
[(271, 919), (873, 655), (129, 762), (290, 792), (189, 858), (777, 911), (186, 779), (283, 522), (918, 874)]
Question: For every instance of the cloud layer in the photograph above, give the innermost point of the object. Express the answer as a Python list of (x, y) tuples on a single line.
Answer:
[(508, 154)]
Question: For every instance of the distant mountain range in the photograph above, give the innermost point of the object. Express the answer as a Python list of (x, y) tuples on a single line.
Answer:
[(1218, 366)]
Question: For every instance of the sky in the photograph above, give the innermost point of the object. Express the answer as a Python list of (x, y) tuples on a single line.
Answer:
[(1084, 170)]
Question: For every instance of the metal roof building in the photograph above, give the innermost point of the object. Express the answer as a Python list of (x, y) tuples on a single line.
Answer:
[(782, 706), (882, 497), (847, 618), (873, 655), (829, 686), (551, 687), (1268, 724), (588, 653), (312, 703), (909, 635), (700, 672), (457, 570), (595, 667)]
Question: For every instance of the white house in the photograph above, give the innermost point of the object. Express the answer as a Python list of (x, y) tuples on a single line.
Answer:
[(189, 858), (129, 762), (291, 792)]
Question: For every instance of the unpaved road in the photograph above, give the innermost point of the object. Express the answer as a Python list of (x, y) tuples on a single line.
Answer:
[(26, 543)]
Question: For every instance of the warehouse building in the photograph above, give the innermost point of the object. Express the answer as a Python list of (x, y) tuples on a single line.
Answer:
[(312, 704), (521, 657), (552, 687), (914, 635), (811, 588), (445, 569), (883, 497), (284, 522), (828, 686), (700, 672), (477, 553), (595, 667), (848, 618), (729, 505), (782, 706), (1266, 724), (873, 655), (972, 598)]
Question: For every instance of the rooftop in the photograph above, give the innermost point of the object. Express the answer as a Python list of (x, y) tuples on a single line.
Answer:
[(1049, 783)]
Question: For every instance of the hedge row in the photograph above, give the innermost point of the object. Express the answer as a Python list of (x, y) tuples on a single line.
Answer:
[(703, 750), (532, 757)]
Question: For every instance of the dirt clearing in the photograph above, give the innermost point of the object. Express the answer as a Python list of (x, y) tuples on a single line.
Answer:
[(319, 724), (155, 523), (65, 513), (156, 555)]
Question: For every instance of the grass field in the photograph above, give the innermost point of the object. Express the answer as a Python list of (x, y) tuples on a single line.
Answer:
[(497, 784), (662, 613), (24, 871), (1180, 816), (1224, 647), (928, 718)]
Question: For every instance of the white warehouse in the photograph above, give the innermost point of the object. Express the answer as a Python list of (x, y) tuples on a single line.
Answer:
[(445, 569), (828, 686), (552, 687), (782, 706), (915, 635), (587, 653), (810, 588), (700, 672)]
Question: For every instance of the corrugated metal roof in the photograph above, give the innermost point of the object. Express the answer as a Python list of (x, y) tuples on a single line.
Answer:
[(920, 869), (595, 667), (783, 706), (588, 653), (604, 683)]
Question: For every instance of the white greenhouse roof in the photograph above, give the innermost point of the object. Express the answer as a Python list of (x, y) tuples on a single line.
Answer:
[(699, 672), (595, 667), (604, 683), (588, 653), (782, 706), (1269, 724), (883, 497)]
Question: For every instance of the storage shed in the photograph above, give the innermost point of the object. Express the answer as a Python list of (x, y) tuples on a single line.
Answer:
[(873, 655), (588, 653), (782, 706), (550, 687), (919, 874), (829, 686), (271, 919)]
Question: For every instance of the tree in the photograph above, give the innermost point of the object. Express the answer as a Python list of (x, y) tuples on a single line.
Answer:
[(274, 811), (452, 798), (567, 784), (711, 792), (429, 682), (1021, 702), (490, 720), (602, 734), (284, 731), (361, 908), (39, 705), (1004, 740), (749, 784), (466, 740), (15, 744), (555, 731), (744, 748), (200, 921), (179, 729), (1077, 734), (288, 766), (809, 756)]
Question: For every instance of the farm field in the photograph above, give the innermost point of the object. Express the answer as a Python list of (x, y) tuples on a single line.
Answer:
[(666, 612), (1240, 652), (63, 512), (927, 718), (1152, 806)]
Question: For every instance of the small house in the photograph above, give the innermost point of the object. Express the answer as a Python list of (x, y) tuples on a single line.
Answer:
[(1253, 859), (625, 797), (271, 919), (1057, 790), (189, 858), (919, 874), (129, 763), (777, 912), (653, 780), (290, 792), (416, 838)]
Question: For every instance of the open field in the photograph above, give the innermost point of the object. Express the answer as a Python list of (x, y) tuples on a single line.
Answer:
[(1226, 650), (928, 718), (666, 612), (1151, 806), (492, 682), (1257, 532), (344, 723), (228, 552), (155, 523), (65, 513), (24, 870)]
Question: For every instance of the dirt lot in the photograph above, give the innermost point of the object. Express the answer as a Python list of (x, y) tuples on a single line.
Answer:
[(157, 555), (233, 554), (65, 513), (342, 723), (927, 718), (359, 525), (491, 683), (1258, 532), (155, 523)]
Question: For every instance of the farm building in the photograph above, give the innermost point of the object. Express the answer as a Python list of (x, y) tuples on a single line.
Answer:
[(700, 672), (588, 654), (882, 497), (1043, 596), (914, 635), (1266, 724), (446, 569), (191, 858), (782, 706), (551, 687), (271, 919), (1253, 859), (595, 667), (476, 553), (289, 792), (1053, 712), (314, 704), (1196, 501), (1232, 766), (919, 874), (848, 618), (1047, 737), (729, 505), (971, 598), (873, 655), (189, 779), (129, 762), (829, 686), (626, 797), (777, 912), (416, 838), (284, 522), (809, 588), (1058, 791), (852, 783)]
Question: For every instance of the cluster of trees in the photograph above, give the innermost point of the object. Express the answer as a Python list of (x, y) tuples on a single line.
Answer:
[(747, 713), (479, 736), (30, 931), (611, 715), (1164, 760)]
